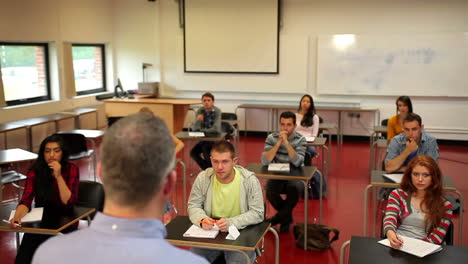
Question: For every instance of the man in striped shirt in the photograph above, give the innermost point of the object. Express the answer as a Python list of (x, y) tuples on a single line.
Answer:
[(285, 146)]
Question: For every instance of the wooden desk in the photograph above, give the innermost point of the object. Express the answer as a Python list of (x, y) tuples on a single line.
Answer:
[(10, 126), (304, 174), (184, 135), (248, 240), (366, 250), (31, 123), (172, 111), (378, 181), (79, 112), (49, 225)]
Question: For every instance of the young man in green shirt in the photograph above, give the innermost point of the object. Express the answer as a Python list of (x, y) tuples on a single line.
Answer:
[(226, 192)]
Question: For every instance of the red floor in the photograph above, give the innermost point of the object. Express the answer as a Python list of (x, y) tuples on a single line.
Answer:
[(343, 208)]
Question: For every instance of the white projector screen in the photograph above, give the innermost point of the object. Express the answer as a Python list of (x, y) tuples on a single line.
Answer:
[(231, 36)]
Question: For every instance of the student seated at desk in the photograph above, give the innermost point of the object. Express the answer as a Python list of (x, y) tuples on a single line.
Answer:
[(208, 119), (285, 146), (307, 122), (227, 192), (418, 208), (53, 184), (395, 123), (406, 146), (138, 176)]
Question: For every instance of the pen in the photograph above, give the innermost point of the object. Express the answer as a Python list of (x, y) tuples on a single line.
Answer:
[(8, 222), (205, 222)]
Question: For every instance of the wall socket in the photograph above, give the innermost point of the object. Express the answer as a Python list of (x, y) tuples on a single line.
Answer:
[(353, 114)]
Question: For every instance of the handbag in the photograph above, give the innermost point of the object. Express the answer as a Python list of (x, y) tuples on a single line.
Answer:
[(318, 236)]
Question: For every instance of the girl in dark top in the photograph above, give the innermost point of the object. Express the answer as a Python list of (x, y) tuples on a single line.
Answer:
[(53, 183)]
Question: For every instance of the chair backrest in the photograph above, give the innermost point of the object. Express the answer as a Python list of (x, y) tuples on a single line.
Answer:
[(227, 128), (449, 236), (91, 195), (384, 122), (76, 143), (228, 116)]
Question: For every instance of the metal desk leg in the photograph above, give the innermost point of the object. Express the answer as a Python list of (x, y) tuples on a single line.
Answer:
[(320, 199), (306, 212), (184, 184), (342, 251), (366, 192), (275, 234)]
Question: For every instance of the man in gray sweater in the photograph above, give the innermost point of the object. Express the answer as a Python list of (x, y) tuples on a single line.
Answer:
[(229, 193)]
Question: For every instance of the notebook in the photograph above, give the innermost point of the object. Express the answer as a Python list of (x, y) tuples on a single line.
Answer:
[(198, 232), (394, 177), (310, 139), (35, 215), (278, 167), (196, 134), (413, 246)]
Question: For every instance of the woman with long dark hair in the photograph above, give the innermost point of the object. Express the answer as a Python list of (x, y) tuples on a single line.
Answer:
[(307, 121), (53, 184), (395, 123), (418, 208)]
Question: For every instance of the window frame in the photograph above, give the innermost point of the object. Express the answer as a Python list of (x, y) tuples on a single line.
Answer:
[(103, 58), (36, 99)]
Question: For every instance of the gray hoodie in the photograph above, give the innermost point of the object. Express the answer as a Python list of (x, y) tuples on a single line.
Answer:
[(251, 198)]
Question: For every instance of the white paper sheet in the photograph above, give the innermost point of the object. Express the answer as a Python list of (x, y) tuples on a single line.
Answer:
[(198, 232), (35, 215), (415, 246)]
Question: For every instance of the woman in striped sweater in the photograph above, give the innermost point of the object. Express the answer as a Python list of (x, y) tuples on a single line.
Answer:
[(418, 208)]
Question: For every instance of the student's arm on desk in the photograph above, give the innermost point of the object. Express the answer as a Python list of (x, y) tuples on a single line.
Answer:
[(395, 160), (255, 204), (297, 154), (197, 199), (271, 147)]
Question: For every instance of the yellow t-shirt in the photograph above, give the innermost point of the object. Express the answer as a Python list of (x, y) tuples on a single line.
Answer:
[(393, 127), (225, 199)]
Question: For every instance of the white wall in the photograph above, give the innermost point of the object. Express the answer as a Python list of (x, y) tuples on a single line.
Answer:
[(308, 19)]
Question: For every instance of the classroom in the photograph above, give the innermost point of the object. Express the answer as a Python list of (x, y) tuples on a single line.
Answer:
[(424, 42)]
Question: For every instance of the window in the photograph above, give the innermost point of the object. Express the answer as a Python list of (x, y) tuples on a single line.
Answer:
[(89, 68), (25, 72)]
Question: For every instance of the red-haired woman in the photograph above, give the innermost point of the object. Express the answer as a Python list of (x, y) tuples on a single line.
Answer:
[(418, 208)]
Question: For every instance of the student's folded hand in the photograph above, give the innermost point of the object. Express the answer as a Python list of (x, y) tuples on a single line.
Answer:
[(222, 224)]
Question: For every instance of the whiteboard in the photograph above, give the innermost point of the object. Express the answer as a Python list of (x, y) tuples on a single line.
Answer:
[(292, 77), (418, 65), (225, 36)]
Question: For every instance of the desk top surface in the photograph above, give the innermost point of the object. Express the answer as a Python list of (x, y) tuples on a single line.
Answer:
[(10, 126), (49, 225), (16, 155), (153, 101), (34, 121), (380, 129), (79, 111), (87, 133), (365, 250), (249, 238), (295, 173), (318, 141), (209, 136), (377, 178)]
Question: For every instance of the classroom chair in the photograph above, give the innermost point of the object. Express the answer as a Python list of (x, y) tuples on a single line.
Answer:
[(76, 144), (91, 195)]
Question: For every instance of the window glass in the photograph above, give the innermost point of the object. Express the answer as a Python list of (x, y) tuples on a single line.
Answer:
[(24, 72), (89, 68)]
